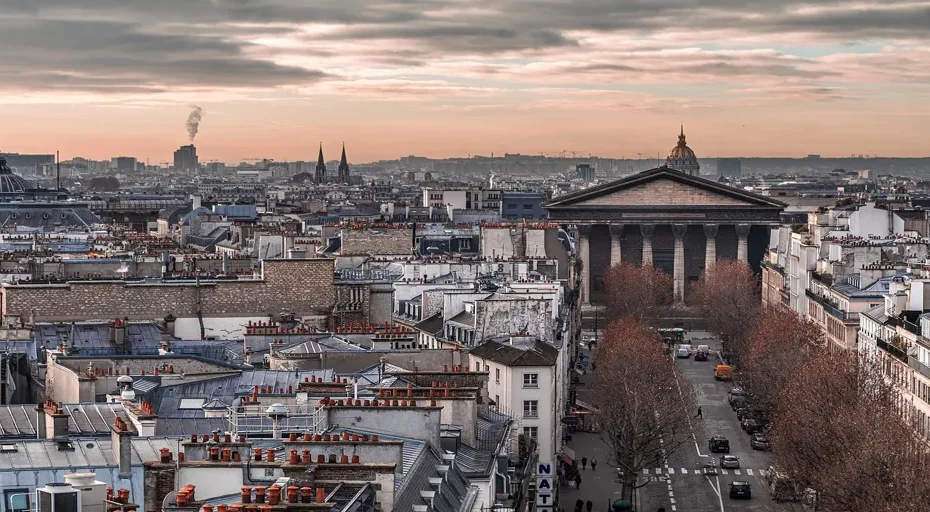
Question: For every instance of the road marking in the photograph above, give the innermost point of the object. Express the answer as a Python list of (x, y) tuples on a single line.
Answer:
[(671, 471), (645, 471), (658, 471), (684, 471), (736, 472), (749, 472), (723, 471), (672, 500)]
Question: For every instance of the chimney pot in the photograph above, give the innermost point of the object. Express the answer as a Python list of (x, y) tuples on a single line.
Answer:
[(227, 454), (180, 456), (292, 437), (320, 458), (344, 459), (332, 458), (228, 437), (260, 494), (305, 457), (306, 494), (258, 454), (294, 459), (270, 455), (292, 494), (320, 495), (355, 459)]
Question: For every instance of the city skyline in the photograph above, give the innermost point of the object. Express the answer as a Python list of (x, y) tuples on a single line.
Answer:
[(453, 78)]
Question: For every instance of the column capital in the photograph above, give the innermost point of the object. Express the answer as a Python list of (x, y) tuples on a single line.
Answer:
[(584, 230), (616, 230), (710, 230), (743, 229), (647, 229), (679, 230)]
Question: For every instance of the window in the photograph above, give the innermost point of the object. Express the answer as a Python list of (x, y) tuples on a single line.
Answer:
[(531, 408), (530, 380), (191, 403), (487, 368), (477, 366), (511, 206), (531, 432), (464, 244), (527, 206), (17, 500), (497, 375)]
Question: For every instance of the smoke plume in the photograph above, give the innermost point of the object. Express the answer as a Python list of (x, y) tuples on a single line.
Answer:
[(193, 121)]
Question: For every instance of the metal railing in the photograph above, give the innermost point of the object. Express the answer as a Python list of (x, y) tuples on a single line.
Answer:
[(252, 419)]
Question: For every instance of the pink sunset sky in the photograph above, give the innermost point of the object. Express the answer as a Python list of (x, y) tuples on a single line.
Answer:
[(101, 78)]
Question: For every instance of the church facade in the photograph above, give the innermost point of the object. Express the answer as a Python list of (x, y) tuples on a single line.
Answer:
[(669, 218)]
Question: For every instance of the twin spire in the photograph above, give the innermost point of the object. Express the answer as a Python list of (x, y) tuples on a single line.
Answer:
[(343, 169)]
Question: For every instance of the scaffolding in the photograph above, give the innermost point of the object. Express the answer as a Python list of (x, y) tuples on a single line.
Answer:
[(254, 419)]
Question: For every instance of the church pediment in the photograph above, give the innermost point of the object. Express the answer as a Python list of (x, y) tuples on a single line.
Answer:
[(662, 187)]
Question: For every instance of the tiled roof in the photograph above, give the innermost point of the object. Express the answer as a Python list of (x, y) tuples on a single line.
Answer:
[(536, 354)]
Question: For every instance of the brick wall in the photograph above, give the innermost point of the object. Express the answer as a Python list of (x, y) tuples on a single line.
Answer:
[(159, 482), (375, 241), (302, 287)]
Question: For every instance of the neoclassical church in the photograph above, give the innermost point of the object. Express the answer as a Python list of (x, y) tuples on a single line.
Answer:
[(668, 216)]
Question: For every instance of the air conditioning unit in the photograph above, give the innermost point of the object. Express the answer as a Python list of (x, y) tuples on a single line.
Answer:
[(58, 497)]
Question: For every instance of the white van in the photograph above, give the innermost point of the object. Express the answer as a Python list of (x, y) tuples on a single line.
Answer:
[(683, 353)]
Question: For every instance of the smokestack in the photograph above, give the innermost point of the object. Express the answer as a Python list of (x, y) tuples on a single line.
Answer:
[(193, 122), (58, 169)]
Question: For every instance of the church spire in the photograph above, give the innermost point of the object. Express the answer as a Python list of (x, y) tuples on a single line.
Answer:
[(320, 175), (343, 166), (681, 137)]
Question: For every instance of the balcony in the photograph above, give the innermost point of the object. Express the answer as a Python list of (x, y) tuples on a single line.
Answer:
[(892, 349), (830, 308), (904, 323), (918, 366)]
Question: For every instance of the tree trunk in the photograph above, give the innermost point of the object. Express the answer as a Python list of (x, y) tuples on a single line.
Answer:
[(629, 485)]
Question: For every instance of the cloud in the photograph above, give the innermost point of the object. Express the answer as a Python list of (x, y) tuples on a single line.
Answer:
[(456, 48)]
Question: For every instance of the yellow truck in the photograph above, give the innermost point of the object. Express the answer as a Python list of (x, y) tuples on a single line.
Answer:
[(723, 372)]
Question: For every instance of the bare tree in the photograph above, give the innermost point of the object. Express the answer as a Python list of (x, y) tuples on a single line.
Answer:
[(838, 430), (728, 297), (639, 292), (780, 344), (643, 409)]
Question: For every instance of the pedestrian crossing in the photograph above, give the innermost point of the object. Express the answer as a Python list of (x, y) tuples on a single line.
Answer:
[(698, 471)]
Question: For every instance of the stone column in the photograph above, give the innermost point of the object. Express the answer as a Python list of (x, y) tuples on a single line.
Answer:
[(678, 272), (616, 231), (584, 254), (742, 244), (710, 248), (647, 230)]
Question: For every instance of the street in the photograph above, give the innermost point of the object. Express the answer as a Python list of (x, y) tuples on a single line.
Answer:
[(679, 484)]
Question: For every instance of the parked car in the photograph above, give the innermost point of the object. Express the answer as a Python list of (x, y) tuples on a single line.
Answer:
[(683, 353), (739, 403), (718, 444), (700, 355), (735, 393), (703, 348), (729, 462), (740, 489), (751, 425), (759, 442)]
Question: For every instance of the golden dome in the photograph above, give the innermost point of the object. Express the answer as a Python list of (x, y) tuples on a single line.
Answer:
[(682, 158)]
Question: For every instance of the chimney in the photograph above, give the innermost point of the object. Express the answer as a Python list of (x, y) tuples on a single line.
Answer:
[(121, 439), (56, 421)]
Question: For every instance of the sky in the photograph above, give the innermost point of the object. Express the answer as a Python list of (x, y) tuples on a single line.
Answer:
[(453, 78)]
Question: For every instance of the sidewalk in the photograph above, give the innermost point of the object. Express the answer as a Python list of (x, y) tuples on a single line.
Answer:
[(600, 486)]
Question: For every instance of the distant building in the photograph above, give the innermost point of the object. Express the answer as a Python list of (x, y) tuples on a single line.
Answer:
[(462, 199), (185, 158), (523, 205), (21, 161), (730, 167), (585, 172), (124, 163), (343, 168), (682, 158)]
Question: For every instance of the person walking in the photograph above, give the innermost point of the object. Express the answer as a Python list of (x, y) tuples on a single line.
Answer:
[(578, 481), (584, 463), (699, 414), (589, 505), (593, 463), (579, 505)]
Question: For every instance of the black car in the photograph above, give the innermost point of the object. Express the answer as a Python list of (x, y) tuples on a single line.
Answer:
[(738, 403), (759, 442), (752, 426), (740, 490), (700, 356), (718, 444)]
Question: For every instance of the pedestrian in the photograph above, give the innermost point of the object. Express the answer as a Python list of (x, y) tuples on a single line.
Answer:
[(593, 463), (579, 505), (584, 463), (593, 366), (699, 414), (578, 481), (589, 505)]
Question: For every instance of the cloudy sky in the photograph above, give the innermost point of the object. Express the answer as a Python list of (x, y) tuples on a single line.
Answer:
[(100, 78)]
